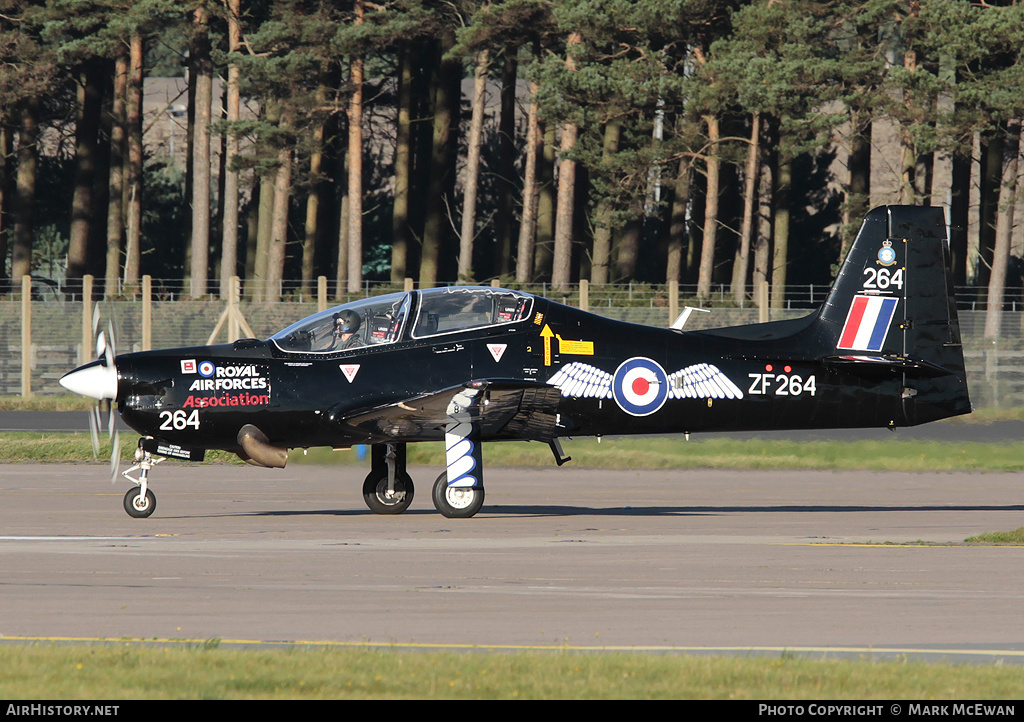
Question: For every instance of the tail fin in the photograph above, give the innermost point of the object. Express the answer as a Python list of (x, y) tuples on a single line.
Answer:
[(892, 305)]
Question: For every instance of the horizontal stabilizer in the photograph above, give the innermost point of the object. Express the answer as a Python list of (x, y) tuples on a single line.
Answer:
[(900, 363)]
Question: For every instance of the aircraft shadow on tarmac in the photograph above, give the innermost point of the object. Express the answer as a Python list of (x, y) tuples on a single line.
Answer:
[(645, 511)]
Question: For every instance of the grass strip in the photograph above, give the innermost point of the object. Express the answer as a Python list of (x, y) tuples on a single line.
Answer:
[(617, 453), (130, 671), (1015, 537), (723, 453)]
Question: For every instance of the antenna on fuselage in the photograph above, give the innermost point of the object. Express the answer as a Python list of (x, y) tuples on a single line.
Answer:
[(687, 310)]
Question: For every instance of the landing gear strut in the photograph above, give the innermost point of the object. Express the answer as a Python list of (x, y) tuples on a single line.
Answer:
[(388, 488), (140, 501)]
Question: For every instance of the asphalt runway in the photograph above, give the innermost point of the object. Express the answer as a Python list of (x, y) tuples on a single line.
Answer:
[(823, 563)]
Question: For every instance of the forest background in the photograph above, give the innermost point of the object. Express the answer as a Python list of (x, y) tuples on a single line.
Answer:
[(716, 143)]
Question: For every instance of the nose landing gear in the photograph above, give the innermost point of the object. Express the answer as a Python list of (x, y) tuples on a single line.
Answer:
[(140, 501)]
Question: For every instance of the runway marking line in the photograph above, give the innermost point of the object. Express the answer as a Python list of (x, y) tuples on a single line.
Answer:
[(528, 647)]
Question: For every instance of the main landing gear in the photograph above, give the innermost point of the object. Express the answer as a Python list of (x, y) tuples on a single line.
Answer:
[(388, 488)]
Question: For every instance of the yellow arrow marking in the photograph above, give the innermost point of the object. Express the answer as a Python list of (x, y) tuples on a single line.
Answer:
[(546, 333)]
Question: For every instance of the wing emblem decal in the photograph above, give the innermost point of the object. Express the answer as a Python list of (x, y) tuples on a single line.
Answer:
[(640, 386)]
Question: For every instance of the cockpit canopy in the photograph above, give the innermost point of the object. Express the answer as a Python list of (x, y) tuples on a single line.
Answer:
[(386, 319)]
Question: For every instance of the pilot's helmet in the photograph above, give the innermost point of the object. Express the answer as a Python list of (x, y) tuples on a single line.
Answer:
[(346, 321)]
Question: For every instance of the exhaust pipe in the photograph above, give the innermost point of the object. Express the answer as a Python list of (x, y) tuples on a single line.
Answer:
[(258, 451)]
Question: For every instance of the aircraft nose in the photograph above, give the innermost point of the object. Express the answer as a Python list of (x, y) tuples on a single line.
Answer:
[(95, 380)]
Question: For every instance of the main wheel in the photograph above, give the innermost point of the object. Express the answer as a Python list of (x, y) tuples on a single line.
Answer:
[(457, 502), (137, 505), (375, 493)]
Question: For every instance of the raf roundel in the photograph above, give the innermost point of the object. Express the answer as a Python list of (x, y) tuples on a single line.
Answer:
[(206, 369), (640, 386)]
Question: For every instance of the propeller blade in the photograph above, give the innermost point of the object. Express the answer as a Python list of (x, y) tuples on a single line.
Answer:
[(94, 430), (111, 349), (115, 456)]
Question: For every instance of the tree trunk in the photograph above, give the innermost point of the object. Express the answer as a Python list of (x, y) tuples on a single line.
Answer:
[(781, 216), (447, 95), (528, 222), (677, 223), (252, 228), (279, 224), (959, 215), (600, 267), (355, 165), (628, 251), (992, 146), (542, 250), (400, 228), (28, 165), (860, 179), (115, 206), (763, 240), (742, 262), (265, 225), (561, 264), (230, 203), (202, 68), (133, 251), (707, 253), (6, 153), (316, 157), (504, 226), (86, 129), (311, 226), (472, 177), (1004, 232), (341, 268), (354, 232)]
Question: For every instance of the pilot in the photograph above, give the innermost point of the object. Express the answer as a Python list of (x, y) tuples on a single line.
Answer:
[(346, 323)]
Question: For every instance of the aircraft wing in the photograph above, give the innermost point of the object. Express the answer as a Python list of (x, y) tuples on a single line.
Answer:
[(511, 409)]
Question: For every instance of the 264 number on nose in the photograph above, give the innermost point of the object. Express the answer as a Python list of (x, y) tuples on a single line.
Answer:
[(179, 420)]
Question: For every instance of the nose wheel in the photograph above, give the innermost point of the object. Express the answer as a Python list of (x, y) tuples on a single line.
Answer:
[(139, 505)]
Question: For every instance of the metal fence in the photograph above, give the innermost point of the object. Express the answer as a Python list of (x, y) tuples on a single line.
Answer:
[(611, 295), (995, 369)]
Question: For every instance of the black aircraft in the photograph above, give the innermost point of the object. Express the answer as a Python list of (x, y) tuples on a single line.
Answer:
[(466, 365)]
